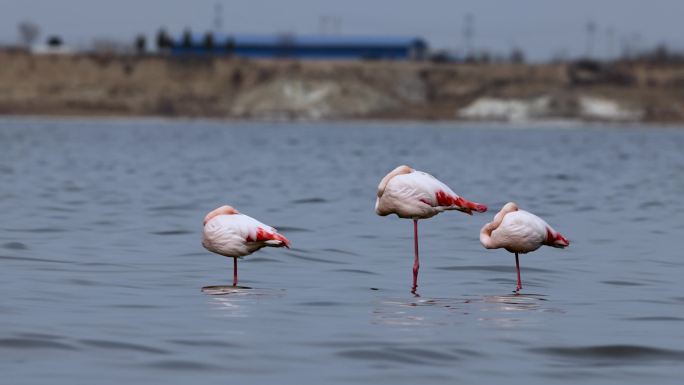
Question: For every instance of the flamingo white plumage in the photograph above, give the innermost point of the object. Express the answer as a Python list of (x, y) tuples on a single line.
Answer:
[(519, 232), (235, 235), (413, 194)]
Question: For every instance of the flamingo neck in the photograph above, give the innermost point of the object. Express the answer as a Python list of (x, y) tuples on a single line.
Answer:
[(486, 232), (486, 236), (397, 171), (223, 210)]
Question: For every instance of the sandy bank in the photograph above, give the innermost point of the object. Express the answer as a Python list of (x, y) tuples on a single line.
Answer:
[(234, 88)]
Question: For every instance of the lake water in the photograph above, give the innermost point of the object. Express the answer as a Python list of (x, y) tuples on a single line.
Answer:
[(102, 263)]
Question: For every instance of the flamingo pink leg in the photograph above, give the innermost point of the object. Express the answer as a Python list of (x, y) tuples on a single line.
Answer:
[(235, 277), (517, 267), (416, 262)]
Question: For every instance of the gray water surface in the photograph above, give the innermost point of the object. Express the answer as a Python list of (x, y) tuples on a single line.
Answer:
[(102, 264)]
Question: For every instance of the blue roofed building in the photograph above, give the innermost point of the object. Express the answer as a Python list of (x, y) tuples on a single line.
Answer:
[(300, 47)]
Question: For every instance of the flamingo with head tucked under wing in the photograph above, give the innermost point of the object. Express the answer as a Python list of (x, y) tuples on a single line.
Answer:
[(231, 234), (418, 195), (519, 232)]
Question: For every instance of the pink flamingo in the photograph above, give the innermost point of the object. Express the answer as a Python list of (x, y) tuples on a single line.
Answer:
[(234, 235), (418, 195), (519, 231)]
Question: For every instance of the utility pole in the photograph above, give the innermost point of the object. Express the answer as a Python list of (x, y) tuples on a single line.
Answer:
[(323, 24), (610, 42), (591, 35), (468, 33), (337, 25), (329, 25), (218, 18)]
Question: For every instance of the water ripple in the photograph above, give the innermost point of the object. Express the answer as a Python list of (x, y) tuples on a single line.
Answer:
[(205, 343), (313, 259), (339, 251), (494, 268), (616, 354), (321, 303), (309, 200), (38, 230), (115, 345), (179, 207), (263, 259), (182, 365), (15, 246), (171, 232), (292, 229), (401, 355), (29, 343), (31, 259), (355, 271), (622, 283), (654, 318)]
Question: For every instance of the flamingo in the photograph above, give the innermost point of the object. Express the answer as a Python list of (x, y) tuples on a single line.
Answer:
[(235, 235), (519, 232), (413, 194)]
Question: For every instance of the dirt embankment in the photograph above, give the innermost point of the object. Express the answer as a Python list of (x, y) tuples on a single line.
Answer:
[(280, 89)]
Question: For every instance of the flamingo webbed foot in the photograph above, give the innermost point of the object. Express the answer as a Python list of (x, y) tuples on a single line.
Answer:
[(414, 288)]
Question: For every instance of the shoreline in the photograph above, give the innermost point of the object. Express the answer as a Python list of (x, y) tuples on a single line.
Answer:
[(484, 124)]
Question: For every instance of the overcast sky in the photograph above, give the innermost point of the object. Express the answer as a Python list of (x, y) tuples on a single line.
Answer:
[(542, 28)]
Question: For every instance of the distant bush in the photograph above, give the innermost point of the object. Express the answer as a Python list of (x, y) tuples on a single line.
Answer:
[(140, 44), (187, 39), (163, 40), (54, 41), (590, 72), (208, 42)]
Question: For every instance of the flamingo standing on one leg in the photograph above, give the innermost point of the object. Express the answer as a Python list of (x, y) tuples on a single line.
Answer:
[(519, 231), (231, 234), (418, 195)]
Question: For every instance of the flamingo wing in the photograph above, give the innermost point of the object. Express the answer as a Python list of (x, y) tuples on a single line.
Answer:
[(520, 231), (257, 232), (439, 195), (407, 197), (270, 237), (226, 235), (239, 235)]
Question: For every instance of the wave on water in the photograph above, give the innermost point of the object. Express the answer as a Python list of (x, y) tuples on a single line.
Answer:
[(314, 259), (355, 271), (611, 354), (494, 268), (171, 232), (401, 355), (292, 229), (654, 318), (15, 246), (31, 259), (34, 343), (309, 200), (117, 345), (622, 283)]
